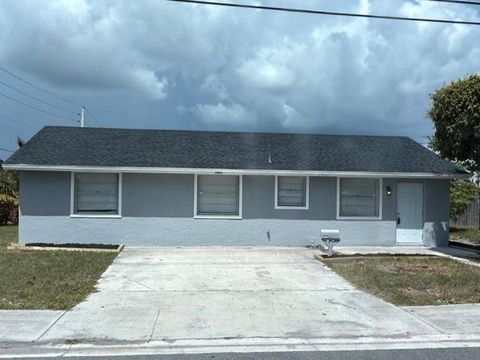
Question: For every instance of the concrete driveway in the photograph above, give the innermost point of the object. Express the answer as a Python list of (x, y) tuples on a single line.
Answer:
[(223, 293)]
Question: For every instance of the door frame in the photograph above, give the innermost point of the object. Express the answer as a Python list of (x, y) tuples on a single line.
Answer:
[(423, 212)]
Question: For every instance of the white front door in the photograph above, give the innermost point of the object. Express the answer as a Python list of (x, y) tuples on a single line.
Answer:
[(409, 213)]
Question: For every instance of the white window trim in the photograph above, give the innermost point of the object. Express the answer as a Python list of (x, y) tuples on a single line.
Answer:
[(307, 196), (231, 217), (380, 205), (104, 216)]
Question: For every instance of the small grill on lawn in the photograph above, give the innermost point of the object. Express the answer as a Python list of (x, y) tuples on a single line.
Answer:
[(330, 238)]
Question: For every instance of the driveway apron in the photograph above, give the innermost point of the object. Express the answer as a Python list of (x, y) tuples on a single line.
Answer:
[(168, 293)]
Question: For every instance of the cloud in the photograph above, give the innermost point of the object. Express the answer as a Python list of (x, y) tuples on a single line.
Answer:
[(154, 63), (293, 119), (148, 82), (214, 86), (229, 114), (266, 73)]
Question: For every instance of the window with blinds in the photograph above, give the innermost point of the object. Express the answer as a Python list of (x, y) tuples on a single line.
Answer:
[(96, 193), (292, 191), (218, 195), (359, 197)]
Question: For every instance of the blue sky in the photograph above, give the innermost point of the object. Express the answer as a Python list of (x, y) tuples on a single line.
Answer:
[(154, 64)]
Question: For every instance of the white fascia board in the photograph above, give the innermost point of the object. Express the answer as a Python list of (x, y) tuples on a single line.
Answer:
[(165, 170)]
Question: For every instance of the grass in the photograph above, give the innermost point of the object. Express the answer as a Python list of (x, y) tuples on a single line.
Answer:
[(471, 236), (411, 280), (46, 279)]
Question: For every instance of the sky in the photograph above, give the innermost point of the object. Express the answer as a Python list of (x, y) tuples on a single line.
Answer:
[(163, 65)]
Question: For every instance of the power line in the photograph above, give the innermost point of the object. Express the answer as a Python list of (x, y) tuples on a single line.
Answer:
[(37, 99), (463, 2), (8, 150), (12, 126), (321, 12), (16, 121), (36, 108), (93, 117), (39, 88), (46, 92)]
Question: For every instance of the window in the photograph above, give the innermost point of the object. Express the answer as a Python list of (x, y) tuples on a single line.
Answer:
[(359, 198), (291, 192), (96, 193), (218, 196)]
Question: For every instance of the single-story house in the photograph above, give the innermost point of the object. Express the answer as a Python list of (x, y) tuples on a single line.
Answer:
[(167, 187)]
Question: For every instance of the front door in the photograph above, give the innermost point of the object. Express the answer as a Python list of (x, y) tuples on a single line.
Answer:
[(409, 213)]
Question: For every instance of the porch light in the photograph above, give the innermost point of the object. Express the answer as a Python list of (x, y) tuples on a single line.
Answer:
[(389, 190)]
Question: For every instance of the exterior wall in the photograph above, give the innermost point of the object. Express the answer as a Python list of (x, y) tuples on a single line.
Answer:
[(189, 231), (436, 224), (157, 209), (155, 195), (259, 197), (45, 193)]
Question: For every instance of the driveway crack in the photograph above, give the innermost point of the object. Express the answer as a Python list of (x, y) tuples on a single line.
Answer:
[(66, 351), (154, 325), (139, 283), (422, 320), (51, 325)]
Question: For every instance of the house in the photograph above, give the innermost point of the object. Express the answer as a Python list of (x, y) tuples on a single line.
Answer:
[(163, 187)]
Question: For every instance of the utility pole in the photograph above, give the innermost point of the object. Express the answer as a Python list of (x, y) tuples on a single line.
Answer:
[(82, 117)]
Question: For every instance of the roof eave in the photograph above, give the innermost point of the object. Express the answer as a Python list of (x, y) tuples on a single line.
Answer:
[(175, 170)]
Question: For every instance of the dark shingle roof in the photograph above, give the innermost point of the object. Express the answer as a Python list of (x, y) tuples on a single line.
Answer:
[(70, 146)]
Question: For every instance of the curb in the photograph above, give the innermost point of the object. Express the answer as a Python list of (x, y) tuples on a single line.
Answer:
[(240, 345)]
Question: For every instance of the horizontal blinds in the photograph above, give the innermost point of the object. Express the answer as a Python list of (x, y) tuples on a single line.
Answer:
[(292, 191), (96, 193), (217, 195), (359, 197)]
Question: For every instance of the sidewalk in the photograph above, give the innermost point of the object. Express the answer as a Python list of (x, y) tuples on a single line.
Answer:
[(26, 325), (448, 326), (449, 319)]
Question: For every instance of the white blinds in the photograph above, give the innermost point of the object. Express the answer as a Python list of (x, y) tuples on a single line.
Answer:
[(96, 193), (359, 197), (217, 195), (292, 191)]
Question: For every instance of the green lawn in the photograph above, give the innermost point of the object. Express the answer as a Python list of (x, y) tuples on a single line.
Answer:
[(411, 280), (471, 236), (46, 279)]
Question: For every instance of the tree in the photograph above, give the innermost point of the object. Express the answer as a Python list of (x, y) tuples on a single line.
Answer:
[(8, 196), (455, 113), (462, 193), (9, 181)]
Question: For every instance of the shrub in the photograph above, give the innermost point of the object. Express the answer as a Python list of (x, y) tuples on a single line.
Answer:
[(8, 213)]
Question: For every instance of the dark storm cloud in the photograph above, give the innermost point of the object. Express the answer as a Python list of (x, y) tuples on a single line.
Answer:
[(156, 64)]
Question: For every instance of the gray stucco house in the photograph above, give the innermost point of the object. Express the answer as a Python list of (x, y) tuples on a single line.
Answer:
[(162, 187)]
